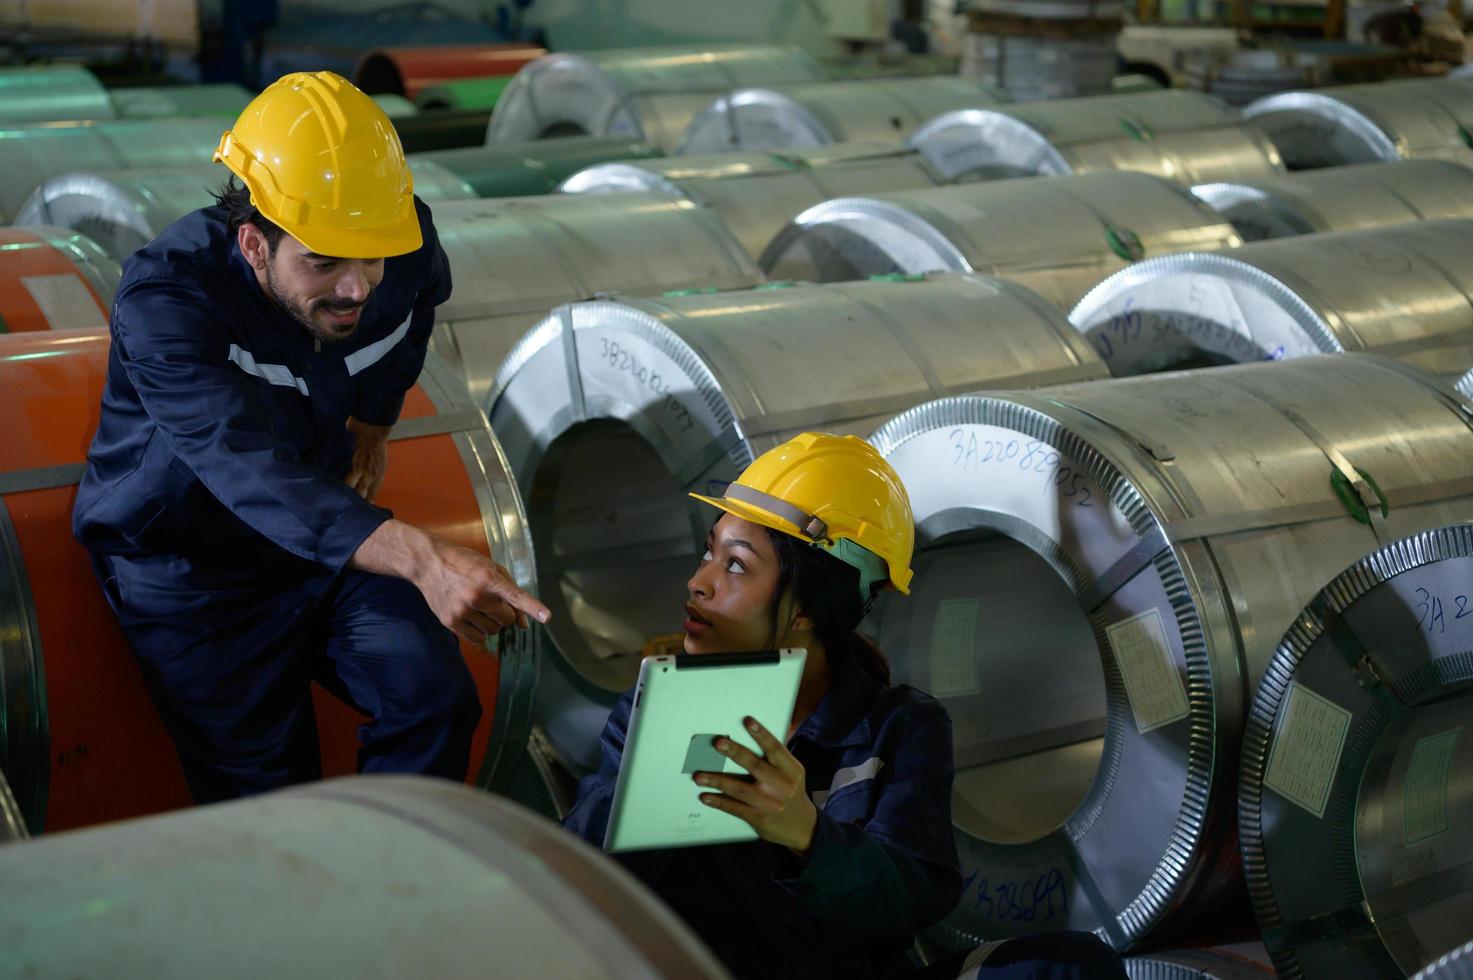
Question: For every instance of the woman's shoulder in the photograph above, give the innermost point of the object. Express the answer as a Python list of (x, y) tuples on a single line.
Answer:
[(903, 710)]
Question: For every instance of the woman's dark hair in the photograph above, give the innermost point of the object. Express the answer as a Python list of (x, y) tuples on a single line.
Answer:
[(235, 198), (827, 590)]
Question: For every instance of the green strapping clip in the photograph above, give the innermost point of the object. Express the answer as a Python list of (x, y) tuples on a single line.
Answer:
[(1467, 136), (1125, 243), (899, 277), (792, 163), (777, 284), (1357, 507), (697, 291), (1137, 130)]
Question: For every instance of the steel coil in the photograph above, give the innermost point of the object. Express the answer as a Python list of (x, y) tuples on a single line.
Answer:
[(54, 279), (1245, 962), (407, 71), (1368, 195), (513, 259), (1456, 965), (122, 211), (1398, 291), (1356, 799), (30, 155), (756, 194), (394, 106), (370, 877), (647, 94), (1464, 385), (463, 93), (1400, 120), (1059, 237), (12, 821), (1033, 69), (610, 410), (445, 130), (1101, 576), (1024, 140), (791, 117), (1240, 77), (51, 92), (83, 743), (537, 167), (180, 100)]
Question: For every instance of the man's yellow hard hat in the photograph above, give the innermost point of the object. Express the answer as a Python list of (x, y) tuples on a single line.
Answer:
[(834, 492), (322, 160)]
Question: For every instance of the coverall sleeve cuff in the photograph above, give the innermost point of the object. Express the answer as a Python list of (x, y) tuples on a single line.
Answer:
[(348, 534), (826, 861)]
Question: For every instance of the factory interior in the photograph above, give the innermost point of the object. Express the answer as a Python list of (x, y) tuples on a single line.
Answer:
[(386, 377)]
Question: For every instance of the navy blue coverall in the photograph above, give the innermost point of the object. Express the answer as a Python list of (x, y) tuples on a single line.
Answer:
[(883, 863), (220, 526)]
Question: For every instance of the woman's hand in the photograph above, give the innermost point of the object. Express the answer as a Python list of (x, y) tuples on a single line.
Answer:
[(773, 799)]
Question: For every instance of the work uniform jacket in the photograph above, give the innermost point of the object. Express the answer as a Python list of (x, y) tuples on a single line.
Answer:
[(222, 448), (883, 864)]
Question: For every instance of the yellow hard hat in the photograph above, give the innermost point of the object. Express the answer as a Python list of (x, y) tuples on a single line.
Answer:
[(836, 492), (322, 160)]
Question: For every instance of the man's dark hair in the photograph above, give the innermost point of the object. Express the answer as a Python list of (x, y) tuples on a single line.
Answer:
[(235, 198)]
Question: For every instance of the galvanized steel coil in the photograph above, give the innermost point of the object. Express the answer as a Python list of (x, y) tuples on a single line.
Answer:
[(513, 259), (756, 194), (647, 94), (1367, 195), (1356, 800), (1032, 69), (46, 93), (463, 93), (421, 132), (536, 167), (1398, 120), (1249, 961), (1401, 291), (371, 877), (881, 110), (54, 279), (610, 410), (122, 211), (407, 71), (83, 743), (180, 100), (1102, 574), (1029, 139), (1240, 77), (31, 154), (1456, 965), (1059, 237)]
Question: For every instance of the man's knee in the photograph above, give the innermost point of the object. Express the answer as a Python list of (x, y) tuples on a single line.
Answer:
[(437, 683)]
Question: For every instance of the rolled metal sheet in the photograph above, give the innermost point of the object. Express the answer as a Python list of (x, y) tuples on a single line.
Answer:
[(536, 167), (409, 876), (407, 71), (881, 110), (1240, 77), (51, 92), (1356, 799), (1033, 69), (180, 100), (513, 259), (54, 279), (756, 194), (124, 210), (1398, 120), (29, 155), (1059, 237), (1249, 961), (647, 94), (443, 130), (1456, 965), (83, 742), (463, 93), (12, 821), (1464, 386), (1102, 574), (1368, 195), (1400, 291), (1024, 140), (611, 410)]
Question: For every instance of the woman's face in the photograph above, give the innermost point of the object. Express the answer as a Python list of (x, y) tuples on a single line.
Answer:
[(730, 595)]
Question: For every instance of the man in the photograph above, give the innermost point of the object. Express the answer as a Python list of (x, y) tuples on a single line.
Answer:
[(261, 351)]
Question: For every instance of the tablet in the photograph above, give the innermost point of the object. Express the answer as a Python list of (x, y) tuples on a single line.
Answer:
[(681, 703)]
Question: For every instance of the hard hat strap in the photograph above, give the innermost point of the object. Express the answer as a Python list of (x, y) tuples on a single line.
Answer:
[(812, 527)]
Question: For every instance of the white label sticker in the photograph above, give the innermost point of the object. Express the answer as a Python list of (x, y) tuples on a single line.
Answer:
[(65, 301), (1306, 749), (1157, 695), (953, 650), (1424, 799)]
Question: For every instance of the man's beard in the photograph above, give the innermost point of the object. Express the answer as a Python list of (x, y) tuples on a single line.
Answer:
[(304, 317)]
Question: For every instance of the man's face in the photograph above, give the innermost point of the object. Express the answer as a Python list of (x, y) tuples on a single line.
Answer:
[(322, 293)]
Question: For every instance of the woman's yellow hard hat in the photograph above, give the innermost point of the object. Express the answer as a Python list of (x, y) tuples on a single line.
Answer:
[(833, 492), (322, 160)]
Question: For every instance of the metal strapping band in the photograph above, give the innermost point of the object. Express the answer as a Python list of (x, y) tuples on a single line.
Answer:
[(464, 420), (1109, 922), (577, 403), (1125, 568), (1421, 892), (1317, 928), (903, 337)]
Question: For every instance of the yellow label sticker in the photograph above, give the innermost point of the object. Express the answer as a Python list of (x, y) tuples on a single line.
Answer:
[(1152, 682), (1305, 753)]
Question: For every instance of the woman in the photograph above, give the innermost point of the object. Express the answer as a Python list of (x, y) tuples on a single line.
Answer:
[(851, 803)]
